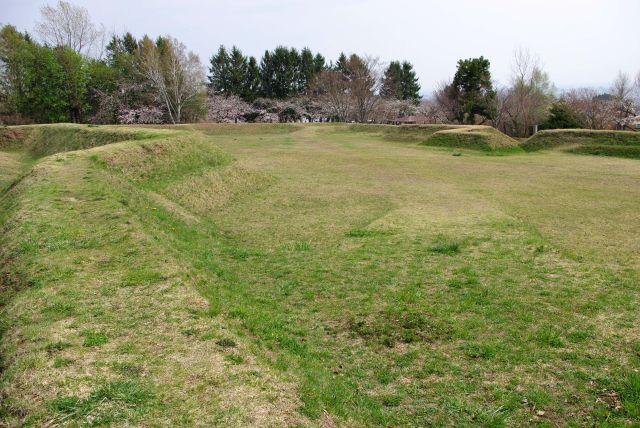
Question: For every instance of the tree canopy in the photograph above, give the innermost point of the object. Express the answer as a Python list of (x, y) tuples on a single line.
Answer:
[(400, 82), (473, 90)]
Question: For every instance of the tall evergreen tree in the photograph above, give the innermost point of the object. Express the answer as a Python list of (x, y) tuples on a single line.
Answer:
[(119, 86), (318, 63), (252, 84), (120, 56), (400, 82), (294, 72), (279, 73), (129, 43), (219, 76), (266, 75), (307, 69), (341, 64), (472, 90), (237, 73), (409, 83), (392, 81)]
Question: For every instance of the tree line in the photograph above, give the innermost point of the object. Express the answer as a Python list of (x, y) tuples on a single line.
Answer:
[(530, 100), (61, 78), (74, 72)]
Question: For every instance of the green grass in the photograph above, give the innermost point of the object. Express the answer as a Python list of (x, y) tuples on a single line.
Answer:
[(474, 137), (594, 142), (228, 275), (402, 133), (477, 137), (111, 403)]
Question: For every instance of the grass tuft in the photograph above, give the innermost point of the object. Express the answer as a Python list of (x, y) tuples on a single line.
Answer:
[(226, 343), (549, 336), (367, 233), (444, 245), (94, 338), (142, 277)]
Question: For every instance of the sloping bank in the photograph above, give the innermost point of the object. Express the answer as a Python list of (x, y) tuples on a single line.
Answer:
[(102, 323), (471, 137), (586, 141)]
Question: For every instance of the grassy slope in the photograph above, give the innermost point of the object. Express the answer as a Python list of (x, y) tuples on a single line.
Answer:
[(372, 283), (105, 325), (409, 133), (595, 142), (475, 137)]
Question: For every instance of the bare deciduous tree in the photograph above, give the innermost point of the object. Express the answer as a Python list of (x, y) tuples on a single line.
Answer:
[(622, 90), (69, 25), (177, 75), (351, 93), (331, 89), (390, 109), (365, 80), (595, 110), (432, 112), (447, 103), (501, 119), (530, 95)]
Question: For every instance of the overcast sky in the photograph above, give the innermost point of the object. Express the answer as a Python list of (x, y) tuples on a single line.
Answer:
[(580, 42)]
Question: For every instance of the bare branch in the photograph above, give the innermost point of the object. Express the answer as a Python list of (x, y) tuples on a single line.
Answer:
[(70, 26)]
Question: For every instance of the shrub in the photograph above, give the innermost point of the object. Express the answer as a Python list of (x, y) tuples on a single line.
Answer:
[(562, 116)]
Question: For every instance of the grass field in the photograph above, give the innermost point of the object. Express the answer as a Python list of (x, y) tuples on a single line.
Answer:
[(624, 144), (314, 275)]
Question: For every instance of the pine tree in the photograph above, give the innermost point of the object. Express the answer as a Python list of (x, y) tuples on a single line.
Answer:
[(219, 76), (266, 75), (307, 69), (341, 64), (400, 82), (392, 81), (294, 73), (129, 43), (280, 73), (409, 83), (252, 83), (237, 73), (562, 116), (318, 63), (472, 90)]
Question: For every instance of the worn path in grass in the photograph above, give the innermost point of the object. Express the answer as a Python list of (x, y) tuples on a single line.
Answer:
[(374, 282)]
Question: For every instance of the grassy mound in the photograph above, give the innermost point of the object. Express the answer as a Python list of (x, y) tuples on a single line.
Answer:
[(101, 322), (13, 137), (45, 140), (595, 142), (473, 137), (404, 133), (245, 128)]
